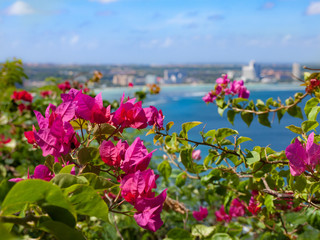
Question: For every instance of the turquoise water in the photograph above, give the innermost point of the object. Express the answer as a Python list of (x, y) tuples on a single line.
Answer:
[(184, 104)]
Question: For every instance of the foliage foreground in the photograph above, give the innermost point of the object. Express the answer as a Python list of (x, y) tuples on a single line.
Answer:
[(73, 167)]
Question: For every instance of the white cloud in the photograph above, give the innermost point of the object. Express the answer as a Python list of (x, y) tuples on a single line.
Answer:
[(286, 38), (74, 39), (104, 1), (313, 8), (167, 42), (20, 8), (180, 19)]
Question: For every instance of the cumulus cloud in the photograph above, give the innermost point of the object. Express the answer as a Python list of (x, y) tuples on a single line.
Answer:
[(104, 1), (313, 8), (19, 8)]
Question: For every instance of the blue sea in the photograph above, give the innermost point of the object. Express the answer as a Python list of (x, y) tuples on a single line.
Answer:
[(183, 103)]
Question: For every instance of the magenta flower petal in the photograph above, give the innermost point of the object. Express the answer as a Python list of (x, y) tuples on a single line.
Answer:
[(201, 214), (297, 157)]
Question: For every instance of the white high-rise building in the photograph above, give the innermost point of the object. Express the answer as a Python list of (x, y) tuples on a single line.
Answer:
[(296, 71), (251, 72)]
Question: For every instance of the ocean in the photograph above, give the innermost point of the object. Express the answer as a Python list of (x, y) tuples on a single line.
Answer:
[(183, 103)]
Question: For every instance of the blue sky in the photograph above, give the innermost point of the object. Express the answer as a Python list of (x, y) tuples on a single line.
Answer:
[(160, 31)]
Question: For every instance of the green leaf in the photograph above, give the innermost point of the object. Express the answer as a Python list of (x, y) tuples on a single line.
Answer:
[(187, 161), (231, 115), (252, 157), (65, 180), (309, 125), (178, 234), (221, 236), (280, 114), (242, 140), (61, 231), (268, 201), (169, 126), (310, 104), (97, 182), (264, 119), (181, 179), (106, 130), (59, 214), (247, 117), (238, 100), (313, 218), (87, 201), (222, 133), (214, 175), (189, 125), (300, 183), (34, 191), (295, 129), (295, 112), (79, 122), (202, 231), (164, 169), (314, 113), (57, 167), (88, 154), (67, 169)]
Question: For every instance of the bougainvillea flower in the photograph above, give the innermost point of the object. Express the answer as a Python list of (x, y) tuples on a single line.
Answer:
[(30, 137), (148, 212), (138, 185), (130, 114), (113, 155), (237, 209), (243, 92), (136, 158), (92, 109), (224, 80), (303, 157), (3, 140), (196, 154), (22, 95), (209, 97), (201, 214), (130, 84), (253, 206), (40, 172), (154, 117), (222, 216), (64, 86), (45, 93), (236, 86)]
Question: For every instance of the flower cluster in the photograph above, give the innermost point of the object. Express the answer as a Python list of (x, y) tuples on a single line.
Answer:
[(254, 206), (303, 157), (201, 214), (40, 172), (137, 182), (312, 85), (237, 209), (57, 137), (222, 88), (25, 96)]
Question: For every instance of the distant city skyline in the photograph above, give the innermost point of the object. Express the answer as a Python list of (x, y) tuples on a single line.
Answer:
[(160, 31)]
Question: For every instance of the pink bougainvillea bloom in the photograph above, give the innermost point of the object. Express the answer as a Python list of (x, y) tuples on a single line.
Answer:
[(154, 117), (130, 84), (235, 86), (138, 185), (136, 157), (237, 209), (201, 214), (45, 93), (42, 172), (196, 154), (243, 92), (86, 90), (209, 98), (64, 86), (253, 206), (303, 157), (223, 80), (92, 109), (113, 155), (130, 114), (221, 215), (148, 212)]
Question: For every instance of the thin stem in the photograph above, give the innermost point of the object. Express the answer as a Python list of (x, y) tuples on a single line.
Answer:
[(313, 69)]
